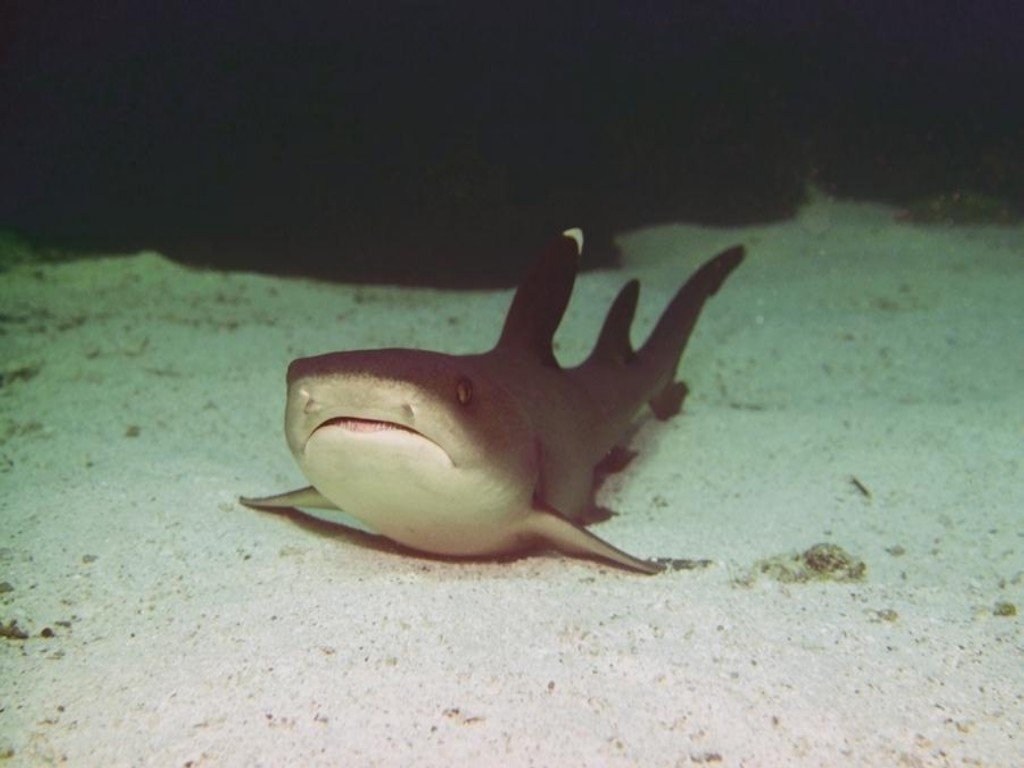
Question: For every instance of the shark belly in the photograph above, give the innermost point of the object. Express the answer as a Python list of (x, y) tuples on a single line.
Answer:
[(406, 488)]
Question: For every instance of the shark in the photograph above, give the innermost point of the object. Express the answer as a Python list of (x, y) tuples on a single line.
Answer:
[(495, 453)]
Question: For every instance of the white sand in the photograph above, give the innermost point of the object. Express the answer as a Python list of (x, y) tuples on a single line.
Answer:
[(188, 630)]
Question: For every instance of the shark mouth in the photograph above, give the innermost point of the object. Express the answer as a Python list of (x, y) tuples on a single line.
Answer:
[(357, 426), (353, 424)]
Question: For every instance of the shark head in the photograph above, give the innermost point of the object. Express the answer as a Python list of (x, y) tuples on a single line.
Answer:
[(425, 448)]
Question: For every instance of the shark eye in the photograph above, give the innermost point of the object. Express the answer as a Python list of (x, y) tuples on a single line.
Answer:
[(464, 390)]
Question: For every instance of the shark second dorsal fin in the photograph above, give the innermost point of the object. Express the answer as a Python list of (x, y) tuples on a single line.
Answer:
[(613, 346), (541, 299)]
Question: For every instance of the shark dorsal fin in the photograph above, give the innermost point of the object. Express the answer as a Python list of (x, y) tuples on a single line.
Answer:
[(613, 346), (541, 299)]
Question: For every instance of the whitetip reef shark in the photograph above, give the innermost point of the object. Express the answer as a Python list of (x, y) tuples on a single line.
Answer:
[(494, 453)]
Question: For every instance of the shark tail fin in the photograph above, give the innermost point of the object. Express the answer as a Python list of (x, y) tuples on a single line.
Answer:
[(542, 297), (664, 347), (613, 345)]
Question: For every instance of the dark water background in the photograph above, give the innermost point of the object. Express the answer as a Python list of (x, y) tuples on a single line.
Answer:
[(441, 142)]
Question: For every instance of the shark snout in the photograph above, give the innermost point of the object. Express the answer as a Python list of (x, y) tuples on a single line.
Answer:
[(307, 367), (316, 402)]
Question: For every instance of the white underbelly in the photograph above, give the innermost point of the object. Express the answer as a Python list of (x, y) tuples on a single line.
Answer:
[(417, 500)]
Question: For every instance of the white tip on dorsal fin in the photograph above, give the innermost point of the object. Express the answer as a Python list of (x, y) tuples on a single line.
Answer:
[(575, 234)]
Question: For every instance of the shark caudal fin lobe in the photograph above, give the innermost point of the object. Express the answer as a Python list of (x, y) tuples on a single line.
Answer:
[(613, 346), (664, 347), (541, 299)]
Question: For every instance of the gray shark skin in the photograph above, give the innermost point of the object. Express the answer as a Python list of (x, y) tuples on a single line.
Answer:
[(494, 453)]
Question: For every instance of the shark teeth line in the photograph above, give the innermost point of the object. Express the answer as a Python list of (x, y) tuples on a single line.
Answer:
[(354, 424)]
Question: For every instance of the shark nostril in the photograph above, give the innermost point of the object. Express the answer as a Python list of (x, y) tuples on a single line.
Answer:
[(309, 405), (408, 412)]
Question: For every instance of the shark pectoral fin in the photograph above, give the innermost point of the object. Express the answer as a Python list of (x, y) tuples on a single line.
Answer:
[(576, 540), (303, 497)]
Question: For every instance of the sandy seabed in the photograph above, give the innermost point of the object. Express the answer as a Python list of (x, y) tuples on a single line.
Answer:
[(858, 382)]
